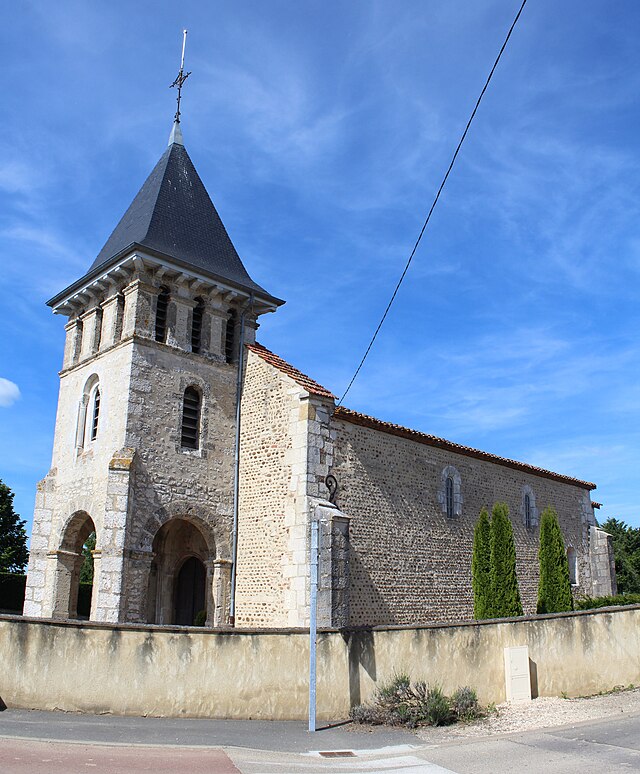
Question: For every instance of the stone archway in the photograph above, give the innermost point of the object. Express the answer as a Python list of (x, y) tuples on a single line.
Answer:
[(68, 561), (164, 542), (182, 560)]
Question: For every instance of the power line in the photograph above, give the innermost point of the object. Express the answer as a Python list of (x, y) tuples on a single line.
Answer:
[(435, 201)]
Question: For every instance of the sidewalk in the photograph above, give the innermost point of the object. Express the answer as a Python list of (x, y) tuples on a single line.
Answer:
[(276, 736)]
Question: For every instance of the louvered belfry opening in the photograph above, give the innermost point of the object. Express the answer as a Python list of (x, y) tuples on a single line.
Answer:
[(190, 418), (196, 326), (161, 314), (230, 336)]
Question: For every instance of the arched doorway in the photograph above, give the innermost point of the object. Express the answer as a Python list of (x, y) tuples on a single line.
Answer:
[(190, 592), (180, 582), (75, 546)]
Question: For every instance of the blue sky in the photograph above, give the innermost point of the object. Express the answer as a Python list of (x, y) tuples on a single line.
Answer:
[(322, 130)]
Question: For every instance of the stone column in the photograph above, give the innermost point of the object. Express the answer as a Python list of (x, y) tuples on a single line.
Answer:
[(91, 326), (73, 342), (333, 584), (65, 569), (221, 590), (109, 602), (217, 317), (603, 566), (179, 335), (112, 314), (139, 310), (138, 566), (38, 599)]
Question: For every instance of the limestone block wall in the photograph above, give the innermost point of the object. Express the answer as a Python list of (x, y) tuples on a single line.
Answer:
[(409, 562), (78, 478)]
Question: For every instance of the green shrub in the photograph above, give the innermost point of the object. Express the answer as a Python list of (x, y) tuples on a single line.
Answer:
[(481, 567), (505, 597), (554, 587), (12, 586), (464, 704), (436, 710), (403, 703), (590, 603)]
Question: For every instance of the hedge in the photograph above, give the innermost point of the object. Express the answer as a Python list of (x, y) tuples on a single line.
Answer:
[(589, 603)]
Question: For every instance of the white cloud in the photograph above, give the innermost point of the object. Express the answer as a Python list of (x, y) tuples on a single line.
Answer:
[(9, 392)]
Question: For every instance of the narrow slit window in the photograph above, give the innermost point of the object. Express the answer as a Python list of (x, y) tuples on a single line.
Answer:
[(527, 511), (190, 419), (230, 337), (449, 497), (161, 314), (196, 326), (95, 416)]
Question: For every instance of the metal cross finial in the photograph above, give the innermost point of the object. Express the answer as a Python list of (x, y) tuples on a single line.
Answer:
[(181, 77)]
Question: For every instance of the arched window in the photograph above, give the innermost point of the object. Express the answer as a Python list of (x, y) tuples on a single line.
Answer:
[(196, 326), (230, 336), (190, 419), (449, 497), (528, 509), (95, 414), (572, 559), (162, 308), (450, 492), (88, 413)]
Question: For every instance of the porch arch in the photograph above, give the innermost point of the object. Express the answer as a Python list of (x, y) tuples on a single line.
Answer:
[(68, 561)]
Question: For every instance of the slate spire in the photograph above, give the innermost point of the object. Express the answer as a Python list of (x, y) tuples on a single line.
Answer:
[(173, 216)]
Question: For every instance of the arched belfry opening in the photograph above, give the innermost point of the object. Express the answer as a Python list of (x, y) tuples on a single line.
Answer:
[(181, 575), (69, 560)]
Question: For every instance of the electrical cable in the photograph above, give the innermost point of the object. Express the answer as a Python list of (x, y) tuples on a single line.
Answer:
[(435, 201)]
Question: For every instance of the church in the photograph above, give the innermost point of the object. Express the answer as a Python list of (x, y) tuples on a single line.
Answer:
[(199, 458)]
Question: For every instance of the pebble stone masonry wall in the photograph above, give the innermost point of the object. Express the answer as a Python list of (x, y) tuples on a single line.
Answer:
[(410, 563)]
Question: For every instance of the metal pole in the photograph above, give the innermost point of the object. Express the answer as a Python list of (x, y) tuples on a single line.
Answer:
[(313, 573)]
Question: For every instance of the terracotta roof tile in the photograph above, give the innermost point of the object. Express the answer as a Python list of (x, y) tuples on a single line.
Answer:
[(404, 432), (431, 440), (302, 379)]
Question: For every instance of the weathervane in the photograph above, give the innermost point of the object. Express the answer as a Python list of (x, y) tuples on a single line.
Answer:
[(181, 77)]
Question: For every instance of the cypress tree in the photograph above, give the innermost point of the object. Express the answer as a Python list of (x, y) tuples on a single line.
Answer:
[(554, 587), (481, 567), (504, 581)]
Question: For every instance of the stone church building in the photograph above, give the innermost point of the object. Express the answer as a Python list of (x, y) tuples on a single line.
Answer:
[(199, 458)]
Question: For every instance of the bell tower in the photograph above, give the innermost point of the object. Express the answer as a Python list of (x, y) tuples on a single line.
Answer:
[(145, 432)]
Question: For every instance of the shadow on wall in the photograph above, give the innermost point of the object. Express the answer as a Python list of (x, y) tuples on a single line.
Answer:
[(533, 677), (367, 606), (361, 650)]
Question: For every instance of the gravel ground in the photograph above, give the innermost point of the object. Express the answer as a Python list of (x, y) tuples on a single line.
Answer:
[(539, 713)]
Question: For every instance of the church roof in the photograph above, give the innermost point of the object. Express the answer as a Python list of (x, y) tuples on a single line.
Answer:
[(304, 381), (173, 217), (354, 417)]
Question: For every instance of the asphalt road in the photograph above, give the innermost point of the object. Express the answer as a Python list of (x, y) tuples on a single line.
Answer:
[(128, 745)]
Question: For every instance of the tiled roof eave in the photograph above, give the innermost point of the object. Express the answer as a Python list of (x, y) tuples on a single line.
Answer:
[(364, 420), (309, 384)]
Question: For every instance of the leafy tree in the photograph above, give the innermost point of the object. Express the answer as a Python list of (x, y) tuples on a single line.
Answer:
[(86, 571), (626, 549), (554, 587), (13, 536), (481, 567), (505, 597)]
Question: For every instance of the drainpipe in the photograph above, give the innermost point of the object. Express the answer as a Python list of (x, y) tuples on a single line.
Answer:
[(236, 466)]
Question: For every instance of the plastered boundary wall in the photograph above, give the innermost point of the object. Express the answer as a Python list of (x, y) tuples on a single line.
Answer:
[(143, 670)]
